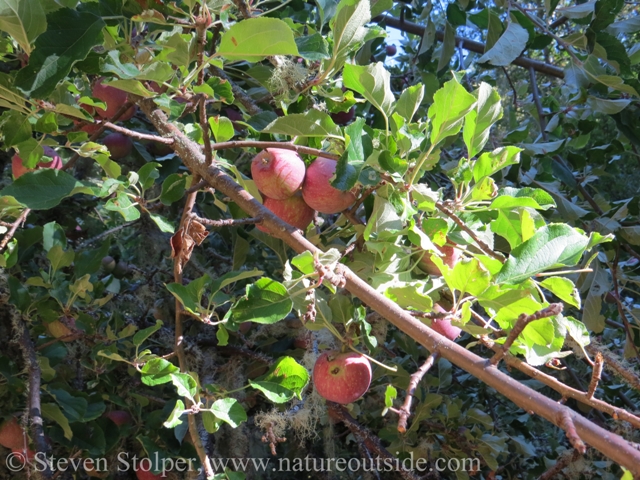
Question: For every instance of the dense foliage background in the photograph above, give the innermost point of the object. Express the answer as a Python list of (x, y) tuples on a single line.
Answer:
[(135, 280)]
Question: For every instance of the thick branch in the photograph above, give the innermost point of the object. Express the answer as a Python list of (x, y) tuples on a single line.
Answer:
[(226, 222), (611, 445), (414, 380), (470, 45), (35, 412), (564, 390)]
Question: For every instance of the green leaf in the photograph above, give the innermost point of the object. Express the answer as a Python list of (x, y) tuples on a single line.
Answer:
[(373, 82), (147, 174), (142, 335), (313, 47), (450, 104), (348, 27), (254, 39), (312, 123), (42, 189), (266, 301), (508, 47), (185, 384), (467, 276), (288, 374), (552, 246), (390, 394), (222, 128), (173, 188), (124, 206), (158, 371), (491, 162), (174, 419), (23, 20), (273, 391), (190, 295), (478, 122), (51, 411), (410, 295), (70, 36), (230, 411), (410, 101), (162, 223), (563, 288), (59, 258), (74, 408), (16, 129)]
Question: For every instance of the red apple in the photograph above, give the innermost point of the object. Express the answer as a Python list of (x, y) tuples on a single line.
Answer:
[(114, 98), (119, 145), (18, 169), (292, 210), (318, 192), (342, 377), (343, 118), (12, 435), (391, 50), (119, 417), (158, 149), (450, 256), (143, 473), (443, 325), (278, 173)]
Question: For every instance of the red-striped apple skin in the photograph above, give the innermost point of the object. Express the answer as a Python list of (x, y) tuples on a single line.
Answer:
[(342, 377)]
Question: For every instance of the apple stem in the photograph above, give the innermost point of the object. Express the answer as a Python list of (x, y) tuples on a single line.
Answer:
[(373, 360)]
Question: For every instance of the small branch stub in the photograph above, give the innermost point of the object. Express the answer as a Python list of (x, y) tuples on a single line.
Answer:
[(566, 423), (597, 374)]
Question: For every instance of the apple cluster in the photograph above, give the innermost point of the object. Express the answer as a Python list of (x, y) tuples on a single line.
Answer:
[(293, 192)]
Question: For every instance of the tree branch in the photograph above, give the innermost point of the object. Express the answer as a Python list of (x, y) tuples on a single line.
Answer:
[(371, 441), (472, 46), (284, 145), (610, 444), (523, 321), (595, 376), (483, 246), (134, 134), (414, 380)]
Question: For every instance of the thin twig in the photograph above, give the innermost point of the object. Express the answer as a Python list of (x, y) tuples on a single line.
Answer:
[(226, 222), (35, 409), (538, 103), (563, 462), (620, 307), (14, 226), (513, 88), (106, 233), (414, 380), (595, 376), (370, 439), (138, 135), (283, 145), (523, 321), (483, 246), (470, 45), (101, 128)]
